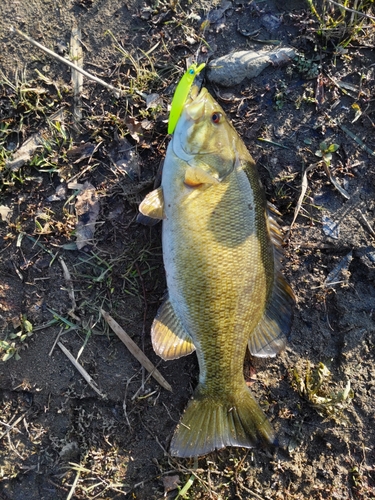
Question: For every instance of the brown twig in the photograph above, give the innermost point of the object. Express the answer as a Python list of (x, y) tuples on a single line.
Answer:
[(67, 62), (81, 370), (351, 10), (135, 350)]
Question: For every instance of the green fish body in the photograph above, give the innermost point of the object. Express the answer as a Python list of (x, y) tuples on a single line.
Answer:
[(225, 289)]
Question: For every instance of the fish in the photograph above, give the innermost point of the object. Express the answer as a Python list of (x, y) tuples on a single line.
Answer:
[(226, 291)]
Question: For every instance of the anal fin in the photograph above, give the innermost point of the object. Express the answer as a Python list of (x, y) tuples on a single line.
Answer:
[(146, 221), (169, 338)]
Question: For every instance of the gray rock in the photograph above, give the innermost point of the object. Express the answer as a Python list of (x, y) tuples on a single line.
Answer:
[(233, 68), (70, 452)]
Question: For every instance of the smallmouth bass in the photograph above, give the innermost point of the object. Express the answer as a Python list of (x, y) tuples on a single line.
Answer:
[(225, 288)]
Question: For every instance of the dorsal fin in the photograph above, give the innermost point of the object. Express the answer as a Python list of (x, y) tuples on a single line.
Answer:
[(271, 334), (170, 340)]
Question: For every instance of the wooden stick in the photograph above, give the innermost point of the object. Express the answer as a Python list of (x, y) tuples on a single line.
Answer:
[(135, 350), (81, 370), (351, 10), (69, 284), (67, 62)]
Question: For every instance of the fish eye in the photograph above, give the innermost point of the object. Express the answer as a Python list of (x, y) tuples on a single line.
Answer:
[(191, 71), (216, 117)]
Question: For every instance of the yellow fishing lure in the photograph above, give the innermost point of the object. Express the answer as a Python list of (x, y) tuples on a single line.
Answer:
[(181, 94)]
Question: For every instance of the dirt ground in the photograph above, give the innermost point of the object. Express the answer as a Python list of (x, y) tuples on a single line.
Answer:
[(59, 438)]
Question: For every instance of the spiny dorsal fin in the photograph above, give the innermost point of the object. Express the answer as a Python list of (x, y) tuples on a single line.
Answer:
[(271, 334), (153, 205), (271, 208), (170, 340)]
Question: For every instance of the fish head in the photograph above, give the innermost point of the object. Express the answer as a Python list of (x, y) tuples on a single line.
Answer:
[(204, 136)]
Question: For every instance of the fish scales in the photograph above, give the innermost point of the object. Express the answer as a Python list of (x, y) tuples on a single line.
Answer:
[(215, 286), (225, 290)]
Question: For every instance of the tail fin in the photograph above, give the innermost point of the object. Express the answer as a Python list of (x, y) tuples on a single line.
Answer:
[(210, 424)]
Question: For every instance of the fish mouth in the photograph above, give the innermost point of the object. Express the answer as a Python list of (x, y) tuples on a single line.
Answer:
[(193, 111), (197, 107)]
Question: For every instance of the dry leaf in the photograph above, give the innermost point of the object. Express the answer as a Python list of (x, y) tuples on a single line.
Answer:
[(81, 152), (87, 211), (25, 152), (135, 128), (125, 158), (170, 483), (5, 212)]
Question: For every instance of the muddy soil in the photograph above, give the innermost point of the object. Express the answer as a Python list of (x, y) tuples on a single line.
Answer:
[(58, 436)]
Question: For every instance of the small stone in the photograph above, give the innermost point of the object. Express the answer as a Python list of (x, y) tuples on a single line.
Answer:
[(69, 452), (233, 68)]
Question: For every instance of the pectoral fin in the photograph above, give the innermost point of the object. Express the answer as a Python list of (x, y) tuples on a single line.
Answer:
[(153, 205), (146, 221), (195, 176), (169, 338)]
